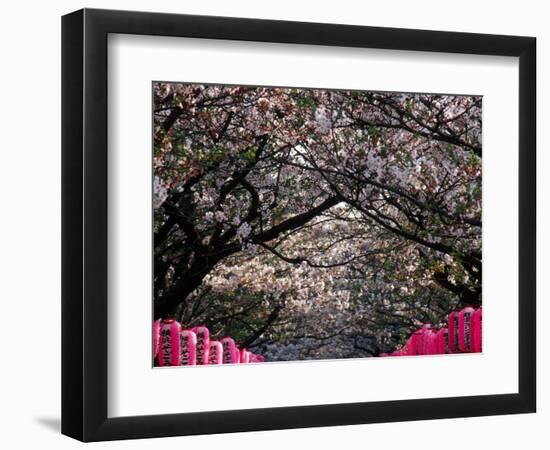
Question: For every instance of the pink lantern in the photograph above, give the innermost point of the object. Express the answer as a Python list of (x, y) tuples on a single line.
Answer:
[(413, 345), (169, 343), (203, 344), (453, 333), (425, 345), (156, 337), (256, 358), (230, 351), (431, 347), (245, 356), (188, 348), (407, 349), (464, 329), (476, 330), (442, 341), (462, 335), (215, 353)]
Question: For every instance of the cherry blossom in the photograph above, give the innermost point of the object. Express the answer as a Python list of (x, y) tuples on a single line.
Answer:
[(308, 223)]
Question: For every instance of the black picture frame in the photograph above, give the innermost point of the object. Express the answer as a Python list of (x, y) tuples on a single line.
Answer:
[(84, 224)]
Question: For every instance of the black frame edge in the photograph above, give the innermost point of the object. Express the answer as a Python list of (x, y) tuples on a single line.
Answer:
[(84, 235), (170, 425), (72, 81), (527, 289)]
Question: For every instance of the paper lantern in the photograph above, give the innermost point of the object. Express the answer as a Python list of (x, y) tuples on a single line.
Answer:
[(256, 358), (156, 337), (431, 347), (169, 343), (413, 347), (215, 353), (245, 356), (407, 349), (442, 341), (464, 330), (203, 344), (463, 334), (476, 322), (425, 342), (188, 348), (453, 332), (230, 351)]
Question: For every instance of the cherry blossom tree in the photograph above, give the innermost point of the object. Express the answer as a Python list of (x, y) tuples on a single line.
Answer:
[(294, 218)]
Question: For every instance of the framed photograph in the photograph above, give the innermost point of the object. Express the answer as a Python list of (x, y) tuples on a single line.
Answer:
[(273, 225)]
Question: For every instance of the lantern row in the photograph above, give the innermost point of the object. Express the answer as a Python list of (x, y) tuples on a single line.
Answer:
[(461, 335), (175, 346)]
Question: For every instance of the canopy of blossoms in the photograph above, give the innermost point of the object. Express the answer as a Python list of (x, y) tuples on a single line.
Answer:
[(311, 223)]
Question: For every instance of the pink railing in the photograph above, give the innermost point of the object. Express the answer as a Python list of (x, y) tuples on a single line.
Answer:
[(174, 345), (461, 335)]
